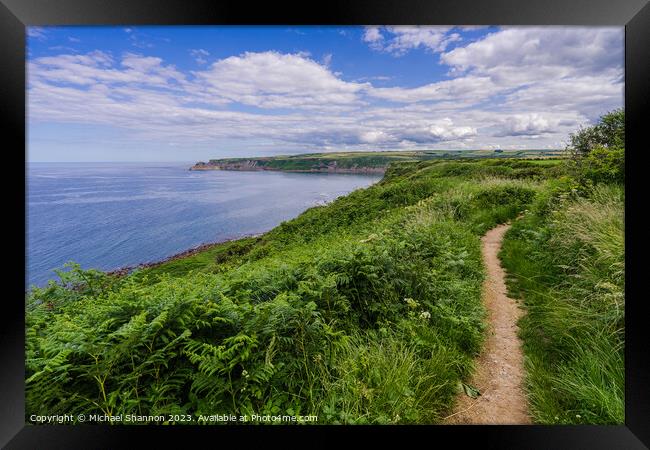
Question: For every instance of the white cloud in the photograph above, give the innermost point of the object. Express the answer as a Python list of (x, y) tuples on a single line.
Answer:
[(432, 38), (473, 27), (136, 41), (525, 124), (199, 55), (39, 33), (591, 95), (473, 88), (401, 39), (327, 59), (275, 80), (372, 34), (577, 69), (569, 50), (99, 67), (438, 131), (374, 136)]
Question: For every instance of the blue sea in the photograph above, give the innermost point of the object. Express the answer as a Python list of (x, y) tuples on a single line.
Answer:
[(111, 215)]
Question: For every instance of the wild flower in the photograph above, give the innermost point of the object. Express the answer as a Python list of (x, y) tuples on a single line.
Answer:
[(426, 315), (411, 303)]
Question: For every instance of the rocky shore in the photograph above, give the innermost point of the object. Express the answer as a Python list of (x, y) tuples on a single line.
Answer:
[(122, 271)]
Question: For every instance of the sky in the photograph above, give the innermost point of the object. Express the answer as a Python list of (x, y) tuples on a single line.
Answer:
[(190, 93)]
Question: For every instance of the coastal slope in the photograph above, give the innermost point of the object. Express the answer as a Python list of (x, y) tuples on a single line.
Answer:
[(359, 162)]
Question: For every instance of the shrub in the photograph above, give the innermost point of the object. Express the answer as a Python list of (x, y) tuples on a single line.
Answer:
[(603, 165), (609, 132)]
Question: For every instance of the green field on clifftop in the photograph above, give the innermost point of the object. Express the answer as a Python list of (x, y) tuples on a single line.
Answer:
[(351, 160)]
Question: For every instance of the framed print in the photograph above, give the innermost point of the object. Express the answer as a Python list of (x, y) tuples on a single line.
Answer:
[(367, 217)]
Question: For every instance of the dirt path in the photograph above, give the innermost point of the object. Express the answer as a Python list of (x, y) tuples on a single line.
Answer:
[(499, 373)]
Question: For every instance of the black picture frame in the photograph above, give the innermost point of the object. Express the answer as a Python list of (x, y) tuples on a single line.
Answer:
[(15, 15)]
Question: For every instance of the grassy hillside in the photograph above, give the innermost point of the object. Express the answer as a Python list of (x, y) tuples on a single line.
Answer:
[(343, 161), (365, 310), (566, 258)]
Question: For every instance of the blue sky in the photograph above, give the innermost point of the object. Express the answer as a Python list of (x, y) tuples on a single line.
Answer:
[(194, 93)]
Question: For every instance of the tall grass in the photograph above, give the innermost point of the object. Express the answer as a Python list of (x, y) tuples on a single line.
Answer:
[(566, 259)]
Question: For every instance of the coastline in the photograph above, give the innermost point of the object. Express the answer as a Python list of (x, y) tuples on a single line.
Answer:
[(126, 270), (251, 168)]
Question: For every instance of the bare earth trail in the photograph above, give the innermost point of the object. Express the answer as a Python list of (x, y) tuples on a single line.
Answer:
[(499, 373)]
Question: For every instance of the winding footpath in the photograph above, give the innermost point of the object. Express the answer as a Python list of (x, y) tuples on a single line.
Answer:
[(499, 373)]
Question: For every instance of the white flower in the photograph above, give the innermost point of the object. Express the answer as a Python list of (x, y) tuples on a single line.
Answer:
[(426, 315)]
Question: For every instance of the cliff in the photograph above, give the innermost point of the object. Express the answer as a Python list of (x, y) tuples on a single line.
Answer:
[(358, 162), (321, 167)]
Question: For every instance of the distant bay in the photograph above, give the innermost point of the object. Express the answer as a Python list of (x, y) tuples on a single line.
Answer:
[(110, 215)]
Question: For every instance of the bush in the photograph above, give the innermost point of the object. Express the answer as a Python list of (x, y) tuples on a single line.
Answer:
[(609, 132), (603, 165)]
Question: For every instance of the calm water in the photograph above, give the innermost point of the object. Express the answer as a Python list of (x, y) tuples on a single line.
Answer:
[(109, 215)]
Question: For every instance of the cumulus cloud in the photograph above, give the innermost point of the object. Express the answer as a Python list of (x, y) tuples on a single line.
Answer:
[(567, 50), (557, 68), (525, 125), (276, 80), (438, 131), (374, 136)]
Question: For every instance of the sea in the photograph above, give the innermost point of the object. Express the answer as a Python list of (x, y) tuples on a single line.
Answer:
[(108, 216)]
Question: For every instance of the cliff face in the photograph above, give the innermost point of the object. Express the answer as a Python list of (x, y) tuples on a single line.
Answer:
[(243, 165), (315, 166)]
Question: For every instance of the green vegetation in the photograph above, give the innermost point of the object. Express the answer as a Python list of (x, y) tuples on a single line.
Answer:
[(366, 310), (346, 161), (609, 132), (566, 260), (599, 151)]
